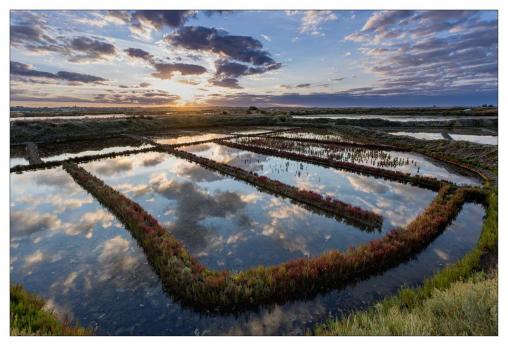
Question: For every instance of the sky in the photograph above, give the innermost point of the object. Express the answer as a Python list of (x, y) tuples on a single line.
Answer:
[(262, 58)]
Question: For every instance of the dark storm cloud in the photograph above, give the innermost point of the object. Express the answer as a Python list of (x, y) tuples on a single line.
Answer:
[(20, 69)]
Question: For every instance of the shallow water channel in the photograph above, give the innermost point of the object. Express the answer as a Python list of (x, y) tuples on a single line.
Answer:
[(406, 162), (225, 223)]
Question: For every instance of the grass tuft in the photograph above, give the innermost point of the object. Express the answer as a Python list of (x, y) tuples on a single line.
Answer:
[(465, 308), (28, 317)]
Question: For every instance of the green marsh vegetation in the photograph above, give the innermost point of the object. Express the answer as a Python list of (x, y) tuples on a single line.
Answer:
[(28, 317)]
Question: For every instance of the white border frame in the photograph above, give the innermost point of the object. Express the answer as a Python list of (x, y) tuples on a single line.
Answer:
[(6, 5)]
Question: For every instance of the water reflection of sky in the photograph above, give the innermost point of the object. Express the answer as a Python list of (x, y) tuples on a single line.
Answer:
[(179, 139), (108, 150), (412, 163), (400, 118), (224, 222), (14, 161), (397, 203), (105, 281), (321, 135), (480, 139), (419, 135)]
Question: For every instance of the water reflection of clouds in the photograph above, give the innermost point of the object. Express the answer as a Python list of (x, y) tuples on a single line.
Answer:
[(367, 185), (57, 202), (272, 321), (189, 138), (393, 200), (27, 222), (34, 258), (114, 166), (154, 160), (194, 205), (88, 221), (135, 190), (195, 172), (231, 156)]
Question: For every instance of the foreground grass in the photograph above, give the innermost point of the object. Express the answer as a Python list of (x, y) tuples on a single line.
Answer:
[(441, 305), (29, 318), (465, 308)]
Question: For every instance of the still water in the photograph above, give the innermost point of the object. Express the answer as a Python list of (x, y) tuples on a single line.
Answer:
[(406, 162), (224, 222), (87, 266), (397, 203)]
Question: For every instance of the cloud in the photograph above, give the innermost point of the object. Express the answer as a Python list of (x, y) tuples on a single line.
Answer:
[(429, 52), (89, 49), (188, 81), (266, 37), (358, 98), (24, 70), (227, 72), (234, 52), (31, 32), (137, 97), (143, 22), (312, 21), (139, 53), (159, 19), (242, 48), (302, 85), (379, 20), (165, 70)]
